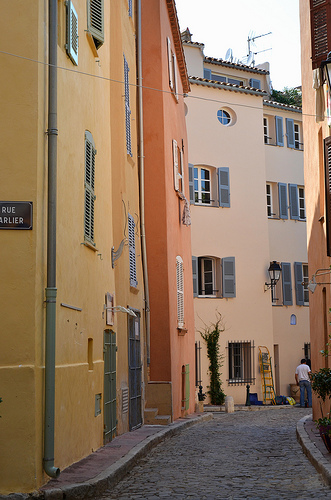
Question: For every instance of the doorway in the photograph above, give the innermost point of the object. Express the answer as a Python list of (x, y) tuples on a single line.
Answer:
[(109, 393), (135, 372)]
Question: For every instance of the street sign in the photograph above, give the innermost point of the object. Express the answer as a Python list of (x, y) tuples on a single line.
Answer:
[(15, 214)]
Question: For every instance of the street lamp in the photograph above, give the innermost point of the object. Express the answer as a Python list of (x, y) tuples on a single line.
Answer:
[(274, 274), (326, 70)]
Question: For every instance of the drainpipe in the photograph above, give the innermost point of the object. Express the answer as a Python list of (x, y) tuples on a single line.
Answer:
[(141, 158), (51, 290)]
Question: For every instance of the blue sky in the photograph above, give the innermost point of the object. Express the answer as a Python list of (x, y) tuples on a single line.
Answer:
[(223, 24)]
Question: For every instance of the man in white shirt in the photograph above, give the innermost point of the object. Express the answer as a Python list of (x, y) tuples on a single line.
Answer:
[(302, 377)]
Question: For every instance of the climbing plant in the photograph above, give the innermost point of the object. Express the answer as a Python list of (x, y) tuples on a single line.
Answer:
[(211, 335)]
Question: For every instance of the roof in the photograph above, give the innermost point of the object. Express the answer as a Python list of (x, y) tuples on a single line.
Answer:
[(197, 44), (227, 86), (228, 64), (279, 105), (178, 44)]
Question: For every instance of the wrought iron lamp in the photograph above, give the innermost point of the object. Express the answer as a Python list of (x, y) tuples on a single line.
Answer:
[(274, 274)]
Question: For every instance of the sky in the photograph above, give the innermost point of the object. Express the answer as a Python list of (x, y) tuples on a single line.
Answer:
[(224, 24)]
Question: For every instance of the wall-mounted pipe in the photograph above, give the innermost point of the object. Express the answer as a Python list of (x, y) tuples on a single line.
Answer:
[(141, 158), (51, 290)]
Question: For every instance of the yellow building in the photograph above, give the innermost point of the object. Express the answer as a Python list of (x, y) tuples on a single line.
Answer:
[(75, 279)]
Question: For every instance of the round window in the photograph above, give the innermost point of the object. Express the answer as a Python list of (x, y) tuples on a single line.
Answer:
[(223, 117)]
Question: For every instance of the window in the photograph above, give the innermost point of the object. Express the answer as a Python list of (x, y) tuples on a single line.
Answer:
[(297, 202), (214, 277), (127, 108), (209, 186), (180, 292), (178, 164), (301, 277), (293, 134), (72, 33), (241, 362), (95, 22), (290, 197), (223, 117), (297, 142), (90, 153), (256, 84), (302, 209), (320, 11), (172, 69), (269, 200), (265, 130), (132, 251)]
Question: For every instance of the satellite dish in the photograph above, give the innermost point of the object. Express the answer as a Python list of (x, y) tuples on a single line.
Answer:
[(229, 55), (250, 58)]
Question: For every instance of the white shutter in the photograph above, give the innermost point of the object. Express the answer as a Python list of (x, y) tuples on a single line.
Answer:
[(180, 291), (181, 170), (170, 65), (175, 164), (174, 61), (72, 33)]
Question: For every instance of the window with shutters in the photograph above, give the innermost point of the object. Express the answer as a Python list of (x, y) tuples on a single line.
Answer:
[(265, 130), (214, 277), (293, 134), (301, 277), (72, 33), (178, 166), (172, 69), (297, 202), (132, 251), (127, 108), (320, 19), (279, 131), (241, 362), (180, 291), (327, 166), (209, 186), (269, 200), (89, 182), (95, 21)]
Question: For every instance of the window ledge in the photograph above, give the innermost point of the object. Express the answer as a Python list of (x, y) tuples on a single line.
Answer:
[(90, 245), (134, 289), (181, 331)]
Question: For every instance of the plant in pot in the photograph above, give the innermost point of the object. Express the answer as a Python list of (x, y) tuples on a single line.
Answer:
[(321, 385)]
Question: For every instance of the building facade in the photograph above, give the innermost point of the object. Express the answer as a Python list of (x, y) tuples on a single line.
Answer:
[(91, 281), (247, 204), (171, 387)]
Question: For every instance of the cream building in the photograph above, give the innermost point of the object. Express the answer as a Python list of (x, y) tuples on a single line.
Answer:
[(247, 204), (59, 289)]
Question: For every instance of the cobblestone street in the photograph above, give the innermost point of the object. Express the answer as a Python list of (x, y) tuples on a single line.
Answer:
[(239, 455)]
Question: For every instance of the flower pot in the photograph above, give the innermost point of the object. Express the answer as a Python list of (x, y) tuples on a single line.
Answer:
[(325, 431)]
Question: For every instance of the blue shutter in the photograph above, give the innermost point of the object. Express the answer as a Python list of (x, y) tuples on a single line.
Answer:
[(127, 108), (298, 276), (207, 74), (228, 277), (130, 8), (282, 195), (294, 201), (191, 182), (287, 284), (132, 251), (279, 131), (256, 84), (290, 132), (195, 276), (223, 187), (72, 33)]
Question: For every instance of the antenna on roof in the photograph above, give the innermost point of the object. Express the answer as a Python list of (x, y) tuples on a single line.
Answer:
[(251, 39), (229, 55)]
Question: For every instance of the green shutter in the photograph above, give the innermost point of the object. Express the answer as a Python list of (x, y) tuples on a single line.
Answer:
[(228, 277), (287, 283), (298, 276)]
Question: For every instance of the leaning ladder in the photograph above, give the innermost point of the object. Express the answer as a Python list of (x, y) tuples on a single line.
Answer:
[(268, 391)]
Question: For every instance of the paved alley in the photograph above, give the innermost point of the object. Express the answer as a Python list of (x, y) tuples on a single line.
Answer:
[(240, 455)]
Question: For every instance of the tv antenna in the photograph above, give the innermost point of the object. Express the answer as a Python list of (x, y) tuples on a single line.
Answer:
[(251, 39)]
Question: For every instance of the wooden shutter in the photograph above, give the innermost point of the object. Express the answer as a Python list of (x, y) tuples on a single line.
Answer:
[(191, 182), (127, 108), (320, 24), (294, 201), (279, 131), (95, 21), (195, 276), (170, 65), (175, 164), (90, 153), (228, 277), (132, 251), (298, 277), (290, 132), (130, 7), (327, 163), (72, 33), (256, 84), (180, 291), (282, 195), (287, 283), (223, 187)]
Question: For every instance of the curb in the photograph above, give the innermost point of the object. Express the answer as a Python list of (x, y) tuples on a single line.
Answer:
[(114, 473), (314, 455)]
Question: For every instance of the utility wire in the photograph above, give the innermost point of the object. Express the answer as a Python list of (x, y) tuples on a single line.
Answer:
[(111, 80)]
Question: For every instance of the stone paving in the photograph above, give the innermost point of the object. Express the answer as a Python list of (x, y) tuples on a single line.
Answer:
[(239, 455)]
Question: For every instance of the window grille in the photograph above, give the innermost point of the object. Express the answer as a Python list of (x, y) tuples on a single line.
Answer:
[(241, 362)]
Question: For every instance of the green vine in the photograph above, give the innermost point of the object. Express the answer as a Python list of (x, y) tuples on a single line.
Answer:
[(210, 335)]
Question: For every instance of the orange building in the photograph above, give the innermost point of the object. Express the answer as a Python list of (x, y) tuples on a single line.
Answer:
[(171, 383), (315, 18)]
